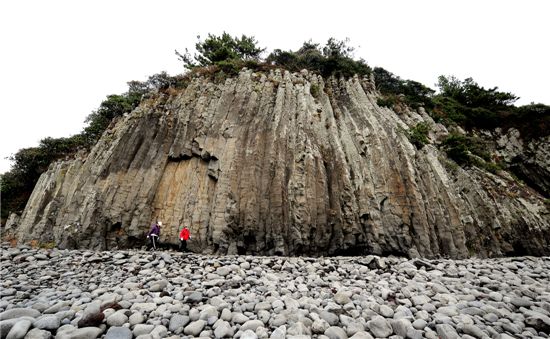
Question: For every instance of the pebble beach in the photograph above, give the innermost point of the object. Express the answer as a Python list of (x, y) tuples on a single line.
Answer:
[(51, 293)]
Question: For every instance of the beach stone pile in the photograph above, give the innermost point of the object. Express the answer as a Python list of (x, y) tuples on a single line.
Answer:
[(46, 293)]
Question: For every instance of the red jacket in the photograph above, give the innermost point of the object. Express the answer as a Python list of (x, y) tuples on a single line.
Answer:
[(184, 234)]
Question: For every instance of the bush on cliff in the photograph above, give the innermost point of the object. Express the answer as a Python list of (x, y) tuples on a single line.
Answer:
[(390, 85), (418, 135), (228, 54), (468, 151), (215, 49), (335, 58), (467, 104)]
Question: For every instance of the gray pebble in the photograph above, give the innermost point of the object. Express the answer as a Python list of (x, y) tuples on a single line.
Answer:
[(19, 329), (6, 325), (239, 318), (446, 331), (224, 330), (334, 332), (380, 327), (136, 318), (342, 297), (249, 334), (177, 322), (48, 322), (194, 297), (194, 328), (251, 325), (401, 326), (159, 331), (36, 333), (361, 335), (18, 313), (80, 333), (117, 319), (329, 317), (141, 329), (118, 333), (474, 331), (385, 311)]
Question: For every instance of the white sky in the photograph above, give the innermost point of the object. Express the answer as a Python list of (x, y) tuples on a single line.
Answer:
[(60, 59)]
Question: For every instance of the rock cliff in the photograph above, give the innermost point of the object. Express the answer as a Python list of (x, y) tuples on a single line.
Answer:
[(283, 164)]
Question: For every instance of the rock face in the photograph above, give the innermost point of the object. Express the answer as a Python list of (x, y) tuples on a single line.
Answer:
[(530, 161), (258, 165)]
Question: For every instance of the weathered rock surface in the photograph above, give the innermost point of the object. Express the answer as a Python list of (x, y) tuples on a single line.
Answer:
[(258, 165), (528, 160)]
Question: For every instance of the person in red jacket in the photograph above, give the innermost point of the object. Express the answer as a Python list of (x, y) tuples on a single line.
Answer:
[(184, 236)]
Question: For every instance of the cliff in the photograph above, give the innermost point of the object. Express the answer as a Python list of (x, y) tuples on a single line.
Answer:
[(283, 164)]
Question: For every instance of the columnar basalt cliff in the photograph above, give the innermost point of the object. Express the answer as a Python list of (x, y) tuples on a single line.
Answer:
[(259, 165)]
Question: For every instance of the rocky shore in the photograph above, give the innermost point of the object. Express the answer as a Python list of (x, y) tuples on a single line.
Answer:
[(49, 293)]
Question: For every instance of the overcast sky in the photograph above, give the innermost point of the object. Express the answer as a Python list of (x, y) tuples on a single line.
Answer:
[(60, 59)]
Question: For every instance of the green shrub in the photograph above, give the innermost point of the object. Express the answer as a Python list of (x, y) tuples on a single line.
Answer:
[(415, 94), (457, 147), (470, 94), (533, 120), (222, 50), (418, 135), (471, 106), (491, 167), (314, 90), (469, 151), (448, 111), (387, 101), (335, 58)]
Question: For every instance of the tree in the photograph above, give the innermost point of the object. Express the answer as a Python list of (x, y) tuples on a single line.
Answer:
[(335, 58), (469, 93), (472, 106), (416, 94), (216, 49)]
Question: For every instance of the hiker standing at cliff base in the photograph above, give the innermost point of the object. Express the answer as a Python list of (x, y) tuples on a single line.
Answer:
[(154, 235), (184, 236)]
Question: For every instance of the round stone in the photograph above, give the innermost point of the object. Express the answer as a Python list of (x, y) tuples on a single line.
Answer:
[(118, 333), (117, 319), (380, 327), (334, 332), (19, 329), (194, 328), (48, 322), (419, 324)]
